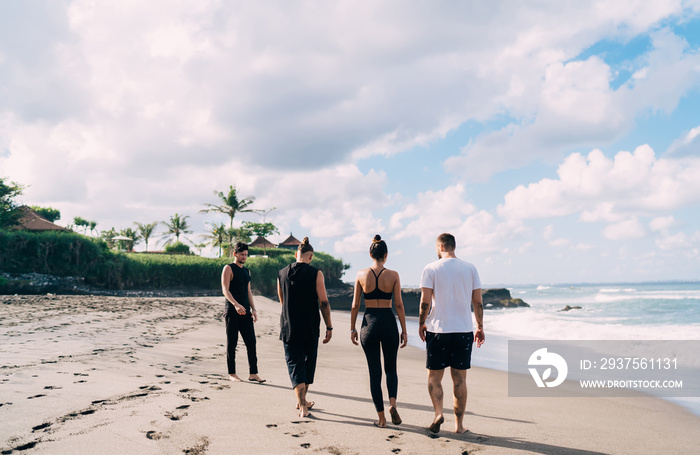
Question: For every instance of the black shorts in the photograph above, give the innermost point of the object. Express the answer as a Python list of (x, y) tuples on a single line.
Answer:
[(301, 360), (448, 350)]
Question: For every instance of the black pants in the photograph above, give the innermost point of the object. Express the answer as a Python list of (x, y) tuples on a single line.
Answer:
[(301, 358), (236, 323), (378, 335)]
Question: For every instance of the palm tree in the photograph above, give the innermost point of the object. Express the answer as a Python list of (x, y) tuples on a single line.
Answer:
[(176, 227), (217, 235), (241, 234), (146, 230), (230, 204), (129, 244), (93, 226)]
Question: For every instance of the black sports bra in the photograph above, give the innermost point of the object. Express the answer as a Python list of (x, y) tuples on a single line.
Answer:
[(377, 293)]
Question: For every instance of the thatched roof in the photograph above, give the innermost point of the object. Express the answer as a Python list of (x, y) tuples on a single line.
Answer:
[(291, 241), (29, 220), (262, 242)]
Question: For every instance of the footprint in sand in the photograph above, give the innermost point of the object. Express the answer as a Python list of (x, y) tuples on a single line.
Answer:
[(27, 446), (36, 396), (41, 427), (155, 435), (396, 450), (175, 417), (271, 425), (305, 445)]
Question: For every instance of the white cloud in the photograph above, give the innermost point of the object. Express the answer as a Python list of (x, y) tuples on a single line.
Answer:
[(435, 212), (560, 242), (673, 242), (609, 190), (687, 145), (132, 111), (548, 232), (573, 104), (661, 223), (432, 213), (628, 229)]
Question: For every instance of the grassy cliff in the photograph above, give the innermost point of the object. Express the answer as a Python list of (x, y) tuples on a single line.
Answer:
[(71, 254)]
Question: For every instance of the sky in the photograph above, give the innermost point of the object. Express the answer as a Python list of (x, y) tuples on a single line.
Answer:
[(558, 141)]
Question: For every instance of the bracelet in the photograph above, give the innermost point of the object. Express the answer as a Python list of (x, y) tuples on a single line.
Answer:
[(329, 328), (353, 331)]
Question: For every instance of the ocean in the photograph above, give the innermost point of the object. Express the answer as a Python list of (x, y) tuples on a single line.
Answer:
[(619, 311)]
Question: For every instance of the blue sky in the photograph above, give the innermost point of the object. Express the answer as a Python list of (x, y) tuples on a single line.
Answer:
[(558, 142)]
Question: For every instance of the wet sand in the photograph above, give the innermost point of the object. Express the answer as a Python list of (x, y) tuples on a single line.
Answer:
[(81, 374)]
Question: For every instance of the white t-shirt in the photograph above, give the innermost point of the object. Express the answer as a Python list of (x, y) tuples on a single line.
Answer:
[(452, 281)]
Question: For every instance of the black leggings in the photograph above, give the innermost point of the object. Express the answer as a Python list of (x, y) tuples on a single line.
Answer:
[(379, 332), (240, 323)]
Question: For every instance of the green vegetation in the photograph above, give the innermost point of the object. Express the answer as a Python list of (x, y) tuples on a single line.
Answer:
[(8, 208), (177, 226), (177, 248), (71, 254), (47, 213), (145, 231), (230, 204), (87, 225), (216, 234)]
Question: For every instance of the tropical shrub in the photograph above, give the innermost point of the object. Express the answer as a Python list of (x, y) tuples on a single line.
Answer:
[(72, 254)]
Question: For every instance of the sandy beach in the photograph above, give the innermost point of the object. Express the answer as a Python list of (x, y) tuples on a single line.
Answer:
[(82, 374)]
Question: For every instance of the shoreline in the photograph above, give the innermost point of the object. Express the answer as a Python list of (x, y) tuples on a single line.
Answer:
[(94, 374), (498, 342)]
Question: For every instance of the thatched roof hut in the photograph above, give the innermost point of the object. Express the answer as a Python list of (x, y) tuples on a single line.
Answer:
[(29, 220), (261, 242), (291, 243)]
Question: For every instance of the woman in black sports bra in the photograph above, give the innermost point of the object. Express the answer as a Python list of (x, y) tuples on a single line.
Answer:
[(379, 333)]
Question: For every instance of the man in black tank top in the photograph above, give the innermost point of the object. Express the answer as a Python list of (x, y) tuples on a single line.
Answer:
[(240, 313), (302, 292)]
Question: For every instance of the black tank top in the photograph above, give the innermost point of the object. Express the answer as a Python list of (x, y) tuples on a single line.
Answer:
[(300, 318), (238, 286), (377, 293)]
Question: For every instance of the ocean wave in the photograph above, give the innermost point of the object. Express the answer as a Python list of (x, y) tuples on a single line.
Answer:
[(561, 326), (613, 290), (646, 295)]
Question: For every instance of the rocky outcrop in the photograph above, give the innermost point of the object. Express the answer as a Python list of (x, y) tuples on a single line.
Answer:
[(38, 283), (500, 298), (569, 308)]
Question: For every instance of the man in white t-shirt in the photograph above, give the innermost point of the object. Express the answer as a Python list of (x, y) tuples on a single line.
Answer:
[(449, 288)]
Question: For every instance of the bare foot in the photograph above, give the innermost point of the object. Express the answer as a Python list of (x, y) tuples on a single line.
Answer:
[(460, 429), (304, 412), (234, 377), (256, 378), (435, 426), (380, 424), (395, 418), (309, 404)]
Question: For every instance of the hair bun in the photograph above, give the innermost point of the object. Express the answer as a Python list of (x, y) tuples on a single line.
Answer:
[(377, 238), (305, 241)]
